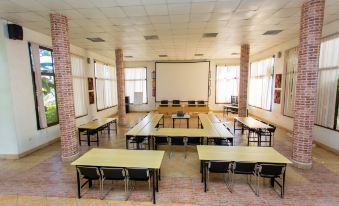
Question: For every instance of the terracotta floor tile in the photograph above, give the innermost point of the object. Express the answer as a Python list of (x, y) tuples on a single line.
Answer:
[(8, 200), (24, 200), (59, 201)]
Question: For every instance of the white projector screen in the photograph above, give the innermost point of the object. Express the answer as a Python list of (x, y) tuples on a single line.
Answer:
[(182, 80)]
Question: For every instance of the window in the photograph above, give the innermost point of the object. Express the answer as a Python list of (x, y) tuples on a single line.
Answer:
[(327, 103), (227, 83), (105, 86), (79, 85), (261, 84), (136, 81), (44, 85)]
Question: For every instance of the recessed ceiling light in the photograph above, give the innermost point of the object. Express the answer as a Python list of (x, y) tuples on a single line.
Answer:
[(128, 56), (209, 35), (198, 55), (272, 32), (96, 39), (151, 37), (163, 55)]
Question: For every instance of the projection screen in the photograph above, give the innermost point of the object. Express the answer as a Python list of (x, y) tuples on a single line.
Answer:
[(182, 80)]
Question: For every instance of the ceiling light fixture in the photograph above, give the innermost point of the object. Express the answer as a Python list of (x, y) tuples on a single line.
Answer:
[(209, 35), (96, 39), (272, 32), (163, 55), (151, 37)]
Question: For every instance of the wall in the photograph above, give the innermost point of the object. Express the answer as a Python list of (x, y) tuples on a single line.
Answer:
[(17, 107), (327, 137)]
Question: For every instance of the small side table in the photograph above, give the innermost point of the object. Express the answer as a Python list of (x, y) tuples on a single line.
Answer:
[(186, 116)]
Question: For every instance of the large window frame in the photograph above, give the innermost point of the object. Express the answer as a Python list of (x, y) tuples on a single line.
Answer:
[(48, 74), (232, 76), (134, 80)]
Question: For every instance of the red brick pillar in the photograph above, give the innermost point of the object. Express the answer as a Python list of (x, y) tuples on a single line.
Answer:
[(244, 63), (64, 86), (311, 24), (119, 59)]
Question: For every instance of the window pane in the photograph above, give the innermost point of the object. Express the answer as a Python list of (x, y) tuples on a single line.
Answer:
[(136, 81), (46, 61), (48, 89), (227, 83)]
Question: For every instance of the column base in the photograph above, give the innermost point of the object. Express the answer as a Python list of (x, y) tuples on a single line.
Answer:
[(70, 158), (302, 165)]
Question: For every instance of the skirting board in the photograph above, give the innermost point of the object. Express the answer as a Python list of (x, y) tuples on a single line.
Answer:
[(18, 156)]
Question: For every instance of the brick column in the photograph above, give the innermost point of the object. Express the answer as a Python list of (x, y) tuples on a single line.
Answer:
[(119, 59), (244, 63), (64, 86), (311, 24)]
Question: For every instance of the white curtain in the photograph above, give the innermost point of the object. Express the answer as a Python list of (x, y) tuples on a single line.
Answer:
[(261, 84), (328, 79), (291, 66), (227, 83), (79, 85), (106, 86), (136, 81)]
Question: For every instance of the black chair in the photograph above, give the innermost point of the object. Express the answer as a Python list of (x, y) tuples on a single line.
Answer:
[(138, 174), (109, 173), (274, 172), (266, 133), (139, 142), (177, 141), (164, 103), (234, 100), (201, 103), (220, 167), (176, 103), (191, 103), (160, 141), (244, 168), (218, 141), (89, 174)]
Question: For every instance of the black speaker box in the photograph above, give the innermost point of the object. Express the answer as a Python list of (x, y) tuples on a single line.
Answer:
[(15, 32)]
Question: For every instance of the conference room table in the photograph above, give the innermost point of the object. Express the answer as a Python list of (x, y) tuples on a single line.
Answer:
[(185, 117), (123, 158), (251, 124), (95, 126), (230, 108), (238, 154)]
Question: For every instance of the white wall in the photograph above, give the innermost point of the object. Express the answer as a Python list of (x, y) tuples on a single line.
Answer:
[(325, 136), (18, 121)]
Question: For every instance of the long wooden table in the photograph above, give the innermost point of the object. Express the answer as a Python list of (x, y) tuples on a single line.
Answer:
[(94, 126), (184, 108), (150, 159), (239, 154), (230, 108)]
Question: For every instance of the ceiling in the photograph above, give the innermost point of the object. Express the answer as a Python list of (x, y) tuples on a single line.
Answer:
[(179, 24)]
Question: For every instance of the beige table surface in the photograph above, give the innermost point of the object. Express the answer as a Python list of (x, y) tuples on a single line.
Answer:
[(252, 123), (241, 153), (179, 132), (150, 118), (121, 158), (95, 124)]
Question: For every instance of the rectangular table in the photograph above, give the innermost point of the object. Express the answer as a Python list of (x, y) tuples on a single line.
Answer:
[(240, 154), (251, 124), (95, 126), (230, 108), (186, 117), (122, 158)]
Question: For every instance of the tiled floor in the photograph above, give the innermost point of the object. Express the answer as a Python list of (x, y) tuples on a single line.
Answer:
[(43, 179)]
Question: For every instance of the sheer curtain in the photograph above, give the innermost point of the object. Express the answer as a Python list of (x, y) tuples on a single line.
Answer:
[(227, 83), (136, 81), (261, 84), (79, 85), (291, 66), (328, 79), (106, 86)]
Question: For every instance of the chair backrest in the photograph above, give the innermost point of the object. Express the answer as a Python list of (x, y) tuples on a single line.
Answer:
[(234, 100), (271, 170), (194, 140), (191, 102), (244, 167), (110, 173), (89, 172), (221, 141), (177, 140), (164, 102), (138, 174), (219, 166), (160, 140), (176, 101), (201, 102), (272, 129)]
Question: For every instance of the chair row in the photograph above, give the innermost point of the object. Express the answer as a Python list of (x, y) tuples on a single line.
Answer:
[(177, 102), (258, 170), (107, 173), (261, 136)]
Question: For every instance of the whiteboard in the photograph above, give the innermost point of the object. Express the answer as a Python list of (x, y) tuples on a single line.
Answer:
[(182, 80)]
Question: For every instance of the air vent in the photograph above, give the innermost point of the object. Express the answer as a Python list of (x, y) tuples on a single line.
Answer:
[(272, 32), (235, 54), (163, 55), (209, 35), (128, 56), (96, 39), (151, 37), (198, 55)]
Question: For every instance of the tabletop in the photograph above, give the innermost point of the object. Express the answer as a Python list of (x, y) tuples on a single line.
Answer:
[(241, 153), (186, 116), (121, 158), (252, 123), (95, 124)]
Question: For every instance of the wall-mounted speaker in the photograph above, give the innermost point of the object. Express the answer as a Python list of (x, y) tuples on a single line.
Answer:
[(279, 54), (88, 60), (15, 32)]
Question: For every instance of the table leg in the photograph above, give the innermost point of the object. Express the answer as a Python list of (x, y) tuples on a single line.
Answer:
[(78, 183), (88, 138), (97, 138), (79, 137), (127, 138), (205, 184), (116, 127), (153, 186), (157, 179), (188, 123), (163, 121), (109, 129), (234, 127), (173, 122)]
